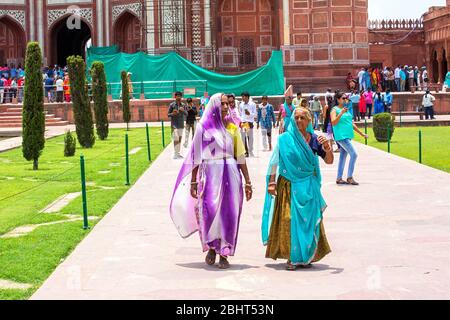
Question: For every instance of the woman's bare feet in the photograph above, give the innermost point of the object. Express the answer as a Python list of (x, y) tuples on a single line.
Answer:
[(211, 257), (223, 263)]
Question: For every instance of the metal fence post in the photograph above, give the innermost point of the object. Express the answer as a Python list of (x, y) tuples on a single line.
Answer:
[(163, 138), (127, 161), (420, 146), (148, 143), (389, 139), (365, 130), (83, 193)]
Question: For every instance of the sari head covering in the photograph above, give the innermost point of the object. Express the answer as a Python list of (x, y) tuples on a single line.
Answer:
[(215, 214), (297, 163)]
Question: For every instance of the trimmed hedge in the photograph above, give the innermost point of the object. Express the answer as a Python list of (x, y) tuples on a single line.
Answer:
[(381, 123), (33, 117), (125, 98), (100, 99), (81, 106)]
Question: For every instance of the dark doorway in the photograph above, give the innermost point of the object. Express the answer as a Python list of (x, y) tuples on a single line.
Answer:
[(435, 65), (444, 65), (69, 42)]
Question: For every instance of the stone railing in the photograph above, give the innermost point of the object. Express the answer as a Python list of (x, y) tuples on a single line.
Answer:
[(396, 24)]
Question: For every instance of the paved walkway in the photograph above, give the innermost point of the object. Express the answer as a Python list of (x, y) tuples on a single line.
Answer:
[(390, 238)]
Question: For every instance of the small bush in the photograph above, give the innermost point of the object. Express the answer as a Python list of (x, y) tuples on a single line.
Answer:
[(381, 123), (70, 144)]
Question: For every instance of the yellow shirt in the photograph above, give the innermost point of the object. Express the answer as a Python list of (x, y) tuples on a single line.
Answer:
[(239, 148)]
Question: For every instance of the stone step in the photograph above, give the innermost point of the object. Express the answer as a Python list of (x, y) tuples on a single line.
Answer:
[(16, 117), (19, 124)]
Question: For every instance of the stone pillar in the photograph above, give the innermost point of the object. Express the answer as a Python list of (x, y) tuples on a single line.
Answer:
[(286, 23), (151, 26), (440, 65), (207, 10), (100, 18)]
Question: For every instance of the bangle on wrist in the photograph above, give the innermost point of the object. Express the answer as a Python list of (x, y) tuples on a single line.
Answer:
[(194, 183)]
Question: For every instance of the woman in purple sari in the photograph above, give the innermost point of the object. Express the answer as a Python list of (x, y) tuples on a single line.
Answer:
[(208, 193)]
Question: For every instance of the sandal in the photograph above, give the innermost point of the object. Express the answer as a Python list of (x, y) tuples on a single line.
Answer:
[(290, 266), (352, 182), (305, 266), (341, 181), (211, 257), (223, 263)]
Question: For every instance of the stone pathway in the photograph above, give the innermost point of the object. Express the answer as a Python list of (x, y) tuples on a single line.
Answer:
[(390, 238)]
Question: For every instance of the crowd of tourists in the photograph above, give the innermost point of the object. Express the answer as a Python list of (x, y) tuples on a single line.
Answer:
[(396, 79), (55, 80)]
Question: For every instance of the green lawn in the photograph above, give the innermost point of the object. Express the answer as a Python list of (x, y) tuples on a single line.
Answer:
[(31, 258), (405, 143)]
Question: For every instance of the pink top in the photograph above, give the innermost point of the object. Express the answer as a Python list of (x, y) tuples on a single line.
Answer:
[(368, 97), (283, 112)]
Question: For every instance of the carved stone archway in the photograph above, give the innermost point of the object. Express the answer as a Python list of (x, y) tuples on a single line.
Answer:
[(12, 41), (127, 32)]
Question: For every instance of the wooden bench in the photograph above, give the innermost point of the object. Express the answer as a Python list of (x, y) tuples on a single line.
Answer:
[(410, 113)]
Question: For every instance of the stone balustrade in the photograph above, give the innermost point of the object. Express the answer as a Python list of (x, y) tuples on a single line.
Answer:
[(396, 24)]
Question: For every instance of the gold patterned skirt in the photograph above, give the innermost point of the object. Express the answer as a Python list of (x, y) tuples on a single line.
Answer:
[(279, 243)]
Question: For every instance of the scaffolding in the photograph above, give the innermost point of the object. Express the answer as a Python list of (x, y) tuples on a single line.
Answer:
[(179, 25)]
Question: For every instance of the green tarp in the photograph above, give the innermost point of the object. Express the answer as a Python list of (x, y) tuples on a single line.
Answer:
[(158, 76), (103, 50)]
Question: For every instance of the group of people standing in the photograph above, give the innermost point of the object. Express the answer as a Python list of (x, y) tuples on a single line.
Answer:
[(368, 103), (399, 79), (244, 114), (214, 178)]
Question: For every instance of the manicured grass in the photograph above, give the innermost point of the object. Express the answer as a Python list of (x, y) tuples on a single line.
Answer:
[(405, 143), (24, 193)]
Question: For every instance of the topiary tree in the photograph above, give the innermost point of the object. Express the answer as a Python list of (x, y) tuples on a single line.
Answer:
[(381, 123), (80, 99), (33, 117), (125, 98), (100, 99), (70, 144)]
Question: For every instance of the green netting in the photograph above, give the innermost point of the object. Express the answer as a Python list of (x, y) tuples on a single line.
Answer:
[(103, 50), (159, 76)]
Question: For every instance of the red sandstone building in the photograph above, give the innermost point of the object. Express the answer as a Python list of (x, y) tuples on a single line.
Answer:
[(321, 40)]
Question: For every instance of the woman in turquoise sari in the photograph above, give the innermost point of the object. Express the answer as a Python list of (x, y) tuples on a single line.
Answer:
[(292, 225)]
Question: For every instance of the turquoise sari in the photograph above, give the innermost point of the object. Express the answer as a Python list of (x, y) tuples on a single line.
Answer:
[(297, 163)]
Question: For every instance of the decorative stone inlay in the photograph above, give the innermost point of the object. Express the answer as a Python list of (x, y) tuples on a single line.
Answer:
[(135, 8), (196, 32), (18, 15), (53, 15)]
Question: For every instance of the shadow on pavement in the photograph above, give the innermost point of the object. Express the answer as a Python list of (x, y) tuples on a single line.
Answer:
[(204, 266), (315, 267)]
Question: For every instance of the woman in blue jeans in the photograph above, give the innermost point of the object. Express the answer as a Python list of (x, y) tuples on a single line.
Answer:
[(343, 127)]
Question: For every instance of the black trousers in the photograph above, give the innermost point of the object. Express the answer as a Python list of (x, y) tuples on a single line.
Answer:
[(429, 112), (369, 110)]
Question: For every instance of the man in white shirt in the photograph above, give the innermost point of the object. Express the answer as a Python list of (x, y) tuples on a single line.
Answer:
[(397, 77), (424, 78), (362, 85), (248, 114), (59, 90)]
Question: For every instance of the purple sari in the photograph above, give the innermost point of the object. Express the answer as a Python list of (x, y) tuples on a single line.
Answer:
[(216, 212)]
